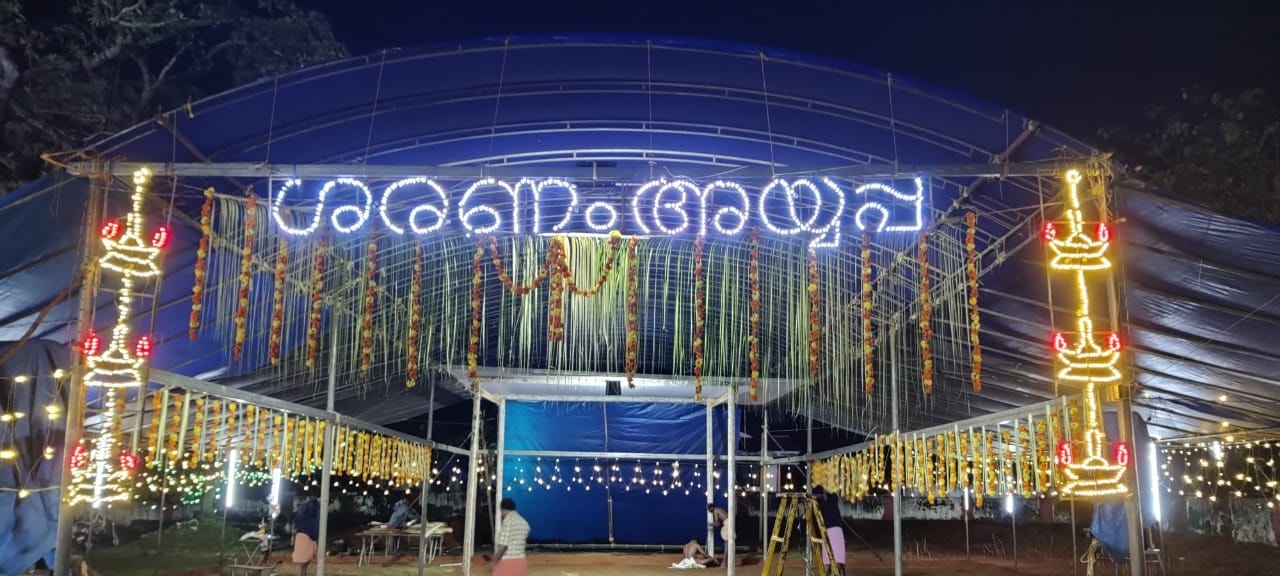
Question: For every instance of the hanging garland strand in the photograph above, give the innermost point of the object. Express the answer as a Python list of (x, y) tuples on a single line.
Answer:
[(370, 298), (473, 345), (975, 323), (313, 323), (246, 276), (868, 335), (926, 318), (555, 299), (815, 324), (614, 238), (753, 338), (519, 290), (415, 316), (202, 263), (277, 303), (700, 316), (633, 310)]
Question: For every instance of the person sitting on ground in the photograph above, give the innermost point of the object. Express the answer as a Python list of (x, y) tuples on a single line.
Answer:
[(693, 550), (829, 507)]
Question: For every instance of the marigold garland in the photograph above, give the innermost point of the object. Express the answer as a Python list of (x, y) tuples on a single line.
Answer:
[(277, 303), (477, 285), (975, 324), (215, 420), (202, 263), (699, 316), (153, 432), (231, 427), (614, 238), (246, 276), (313, 322), (370, 298), (520, 290), (815, 321), (197, 435), (753, 336), (926, 318), (175, 430), (555, 299), (633, 310), (868, 334), (415, 317)]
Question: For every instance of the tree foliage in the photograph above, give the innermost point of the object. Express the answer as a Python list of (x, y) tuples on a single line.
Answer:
[(73, 71), (1220, 151)]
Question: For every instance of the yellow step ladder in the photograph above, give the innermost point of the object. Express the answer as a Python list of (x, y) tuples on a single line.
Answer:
[(775, 556)]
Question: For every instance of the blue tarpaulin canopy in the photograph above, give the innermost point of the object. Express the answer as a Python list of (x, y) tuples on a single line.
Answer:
[(1198, 291)]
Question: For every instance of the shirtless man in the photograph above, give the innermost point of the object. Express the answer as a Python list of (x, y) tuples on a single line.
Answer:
[(720, 519), (695, 553)]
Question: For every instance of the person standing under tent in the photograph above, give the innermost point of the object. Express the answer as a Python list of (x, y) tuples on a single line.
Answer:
[(720, 520), (513, 535), (829, 506), (306, 533)]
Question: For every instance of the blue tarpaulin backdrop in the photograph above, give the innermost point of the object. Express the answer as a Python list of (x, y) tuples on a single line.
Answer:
[(568, 512), (1110, 524)]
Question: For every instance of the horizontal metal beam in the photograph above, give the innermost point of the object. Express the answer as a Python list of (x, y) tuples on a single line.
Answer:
[(1020, 412), (257, 170), (169, 379), (618, 455), (605, 399)]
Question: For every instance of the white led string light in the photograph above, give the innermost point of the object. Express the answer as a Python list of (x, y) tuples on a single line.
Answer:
[(441, 214), (465, 214), (668, 197)]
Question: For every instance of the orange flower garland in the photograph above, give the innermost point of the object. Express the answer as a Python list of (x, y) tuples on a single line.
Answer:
[(246, 276), (699, 316), (477, 284), (519, 290), (153, 432), (555, 300), (313, 322), (231, 427), (171, 452), (370, 298), (415, 317), (975, 324), (197, 435), (277, 303), (868, 336), (614, 238), (202, 262), (633, 311), (815, 325), (926, 318), (753, 337), (215, 419)]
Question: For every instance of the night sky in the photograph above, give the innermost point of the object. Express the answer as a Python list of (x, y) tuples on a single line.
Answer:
[(1075, 65)]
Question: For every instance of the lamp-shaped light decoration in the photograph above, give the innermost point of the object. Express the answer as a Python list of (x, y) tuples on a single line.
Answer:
[(101, 476), (1084, 361)]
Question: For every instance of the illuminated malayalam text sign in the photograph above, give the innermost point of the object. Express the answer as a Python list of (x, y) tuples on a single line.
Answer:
[(819, 210)]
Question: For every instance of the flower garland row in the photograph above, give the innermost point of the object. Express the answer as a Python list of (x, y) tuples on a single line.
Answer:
[(699, 315), (971, 272), (926, 318), (269, 439), (815, 317), (633, 310), (415, 317), (313, 320), (1018, 460), (868, 334), (201, 271), (277, 302), (370, 299), (753, 337), (246, 276)]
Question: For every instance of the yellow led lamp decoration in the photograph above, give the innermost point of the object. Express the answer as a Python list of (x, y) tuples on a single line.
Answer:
[(99, 472), (1084, 361)]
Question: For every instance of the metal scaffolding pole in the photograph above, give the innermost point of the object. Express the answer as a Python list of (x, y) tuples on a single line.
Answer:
[(808, 475), (897, 493), (426, 485), (730, 480), (322, 547), (710, 482), (498, 465), (764, 483), (469, 529)]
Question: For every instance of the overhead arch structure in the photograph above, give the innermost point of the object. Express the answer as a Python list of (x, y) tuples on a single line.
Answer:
[(661, 140)]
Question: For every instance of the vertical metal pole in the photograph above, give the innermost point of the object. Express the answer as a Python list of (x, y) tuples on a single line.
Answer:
[(1013, 521), (730, 545), (426, 484), (74, 424), (710, 482), (469, 529), (897, 493), (764, 483), (808, 477), (502, 448), (1124, 421), (330, 428)]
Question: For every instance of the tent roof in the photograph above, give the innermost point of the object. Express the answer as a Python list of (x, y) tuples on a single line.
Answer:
[(1198, 288)]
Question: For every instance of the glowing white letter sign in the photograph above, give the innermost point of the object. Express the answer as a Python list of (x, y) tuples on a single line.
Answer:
[(816, 210)]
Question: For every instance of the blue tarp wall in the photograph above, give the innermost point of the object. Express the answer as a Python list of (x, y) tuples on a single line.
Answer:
[(1110, 523), (581, 516)]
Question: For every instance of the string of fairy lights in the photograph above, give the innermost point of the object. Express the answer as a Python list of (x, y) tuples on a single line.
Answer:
[(1221, 469), (45, 434)]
